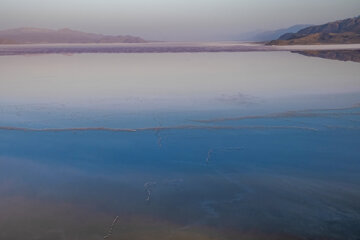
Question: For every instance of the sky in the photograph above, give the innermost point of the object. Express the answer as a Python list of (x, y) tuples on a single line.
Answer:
[(183, 20)]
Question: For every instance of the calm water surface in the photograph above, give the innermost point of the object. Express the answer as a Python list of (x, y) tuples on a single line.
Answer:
[(179, 146)]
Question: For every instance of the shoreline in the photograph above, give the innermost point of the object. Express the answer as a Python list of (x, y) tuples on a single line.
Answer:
[(163, 47)]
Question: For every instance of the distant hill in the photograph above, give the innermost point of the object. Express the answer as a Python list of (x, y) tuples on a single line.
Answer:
[(343, 31), (41, 35), (261, 36)]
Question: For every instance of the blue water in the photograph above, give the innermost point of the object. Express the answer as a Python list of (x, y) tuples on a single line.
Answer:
[(269, 170)]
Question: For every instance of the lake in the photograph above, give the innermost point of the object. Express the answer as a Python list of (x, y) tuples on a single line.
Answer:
[(230, 146)]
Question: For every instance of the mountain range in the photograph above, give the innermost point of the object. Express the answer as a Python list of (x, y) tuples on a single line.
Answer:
[(261, 36), (338, 32), (42, 35)]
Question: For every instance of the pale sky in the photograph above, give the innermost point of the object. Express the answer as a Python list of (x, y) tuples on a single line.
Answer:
[(184, 20)]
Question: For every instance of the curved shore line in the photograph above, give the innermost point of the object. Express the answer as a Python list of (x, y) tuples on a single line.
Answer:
[(290, 114), (79, 129), (179, 127)]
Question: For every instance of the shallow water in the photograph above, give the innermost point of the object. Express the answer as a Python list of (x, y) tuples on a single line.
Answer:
[(179, 146)]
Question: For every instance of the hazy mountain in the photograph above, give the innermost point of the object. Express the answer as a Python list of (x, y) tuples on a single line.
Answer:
[(343, 31), (40, 35), (260, 36)]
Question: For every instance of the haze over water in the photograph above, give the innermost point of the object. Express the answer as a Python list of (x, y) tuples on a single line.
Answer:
[(250, 145)]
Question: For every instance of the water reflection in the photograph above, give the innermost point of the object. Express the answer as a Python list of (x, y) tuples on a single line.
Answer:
[(169, 81), (343, 55), (283, 167)]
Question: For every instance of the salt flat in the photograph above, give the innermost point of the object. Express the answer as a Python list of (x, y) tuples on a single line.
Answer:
[(161, 47)]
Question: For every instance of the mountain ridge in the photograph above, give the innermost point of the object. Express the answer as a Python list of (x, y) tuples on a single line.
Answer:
[(337, 32), (32, 35), (267, 35)]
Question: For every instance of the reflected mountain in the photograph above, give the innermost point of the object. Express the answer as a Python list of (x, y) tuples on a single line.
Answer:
[(342, 55)]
